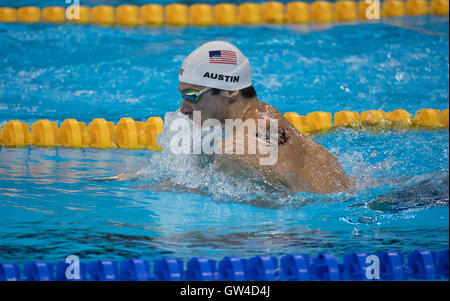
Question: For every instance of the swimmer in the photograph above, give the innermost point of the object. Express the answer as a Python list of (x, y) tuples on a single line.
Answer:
[(215, 81)]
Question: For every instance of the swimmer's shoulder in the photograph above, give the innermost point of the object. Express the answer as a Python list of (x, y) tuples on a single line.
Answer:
[(265, 111), (286, 129)]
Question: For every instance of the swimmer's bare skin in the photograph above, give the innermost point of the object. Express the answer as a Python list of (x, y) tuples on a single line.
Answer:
[(302, 165), (119, 177)]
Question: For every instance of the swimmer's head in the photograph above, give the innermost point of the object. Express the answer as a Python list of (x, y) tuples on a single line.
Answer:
[(212, 78), (217, 64)]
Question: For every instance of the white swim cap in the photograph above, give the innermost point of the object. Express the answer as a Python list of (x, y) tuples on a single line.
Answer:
[(217, 64)]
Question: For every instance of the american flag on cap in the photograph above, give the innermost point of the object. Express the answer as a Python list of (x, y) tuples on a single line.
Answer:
[(222, 57)]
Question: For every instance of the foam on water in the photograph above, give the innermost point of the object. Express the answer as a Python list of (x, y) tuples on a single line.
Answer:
[(199, 173)]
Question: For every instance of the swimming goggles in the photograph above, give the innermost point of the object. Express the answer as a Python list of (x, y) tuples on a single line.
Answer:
[(193, 96)]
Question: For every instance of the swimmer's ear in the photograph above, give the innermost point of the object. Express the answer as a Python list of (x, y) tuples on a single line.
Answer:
[(231, 96)]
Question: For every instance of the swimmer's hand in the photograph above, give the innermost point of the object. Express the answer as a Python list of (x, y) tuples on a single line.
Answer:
[(119, 177)]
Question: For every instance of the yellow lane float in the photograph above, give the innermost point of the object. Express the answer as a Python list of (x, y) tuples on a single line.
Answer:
[(54, 14), (394, 8), (373, 116), (152, 14), (176, 14), (43, 133), (345, 10), (29, 14), (201, 15), (416, 7), (272, 12), (127, 15), (225, 14), (250, 13), (297, 12), (321, 12), (369, 10), (428, 118), (16, 133), (439, 7), (319, 121), (8, 14), (299, 122), (72, 133), (399, 117), (101, 133), (103, 14), (346, 118)]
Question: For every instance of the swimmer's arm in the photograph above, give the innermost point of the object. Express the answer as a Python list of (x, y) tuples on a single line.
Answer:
[(119, 177)]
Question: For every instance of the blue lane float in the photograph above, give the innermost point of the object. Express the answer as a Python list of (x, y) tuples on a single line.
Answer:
[(443, 263), (9, 272), (103, 270), (295, 267), (135, 270), (170, 269), (421, 265), (355, 266), (38, 271), (232, 268), (64, 273)]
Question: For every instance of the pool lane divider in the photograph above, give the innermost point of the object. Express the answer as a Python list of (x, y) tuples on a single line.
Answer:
[(359, 266), (127, 134), (130, 134), (320, 122), (225, 14)]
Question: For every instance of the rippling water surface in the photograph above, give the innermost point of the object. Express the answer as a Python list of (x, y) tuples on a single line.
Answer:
[(49, 210)]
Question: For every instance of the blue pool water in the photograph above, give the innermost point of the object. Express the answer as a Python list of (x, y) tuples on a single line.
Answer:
[(48, 209)]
